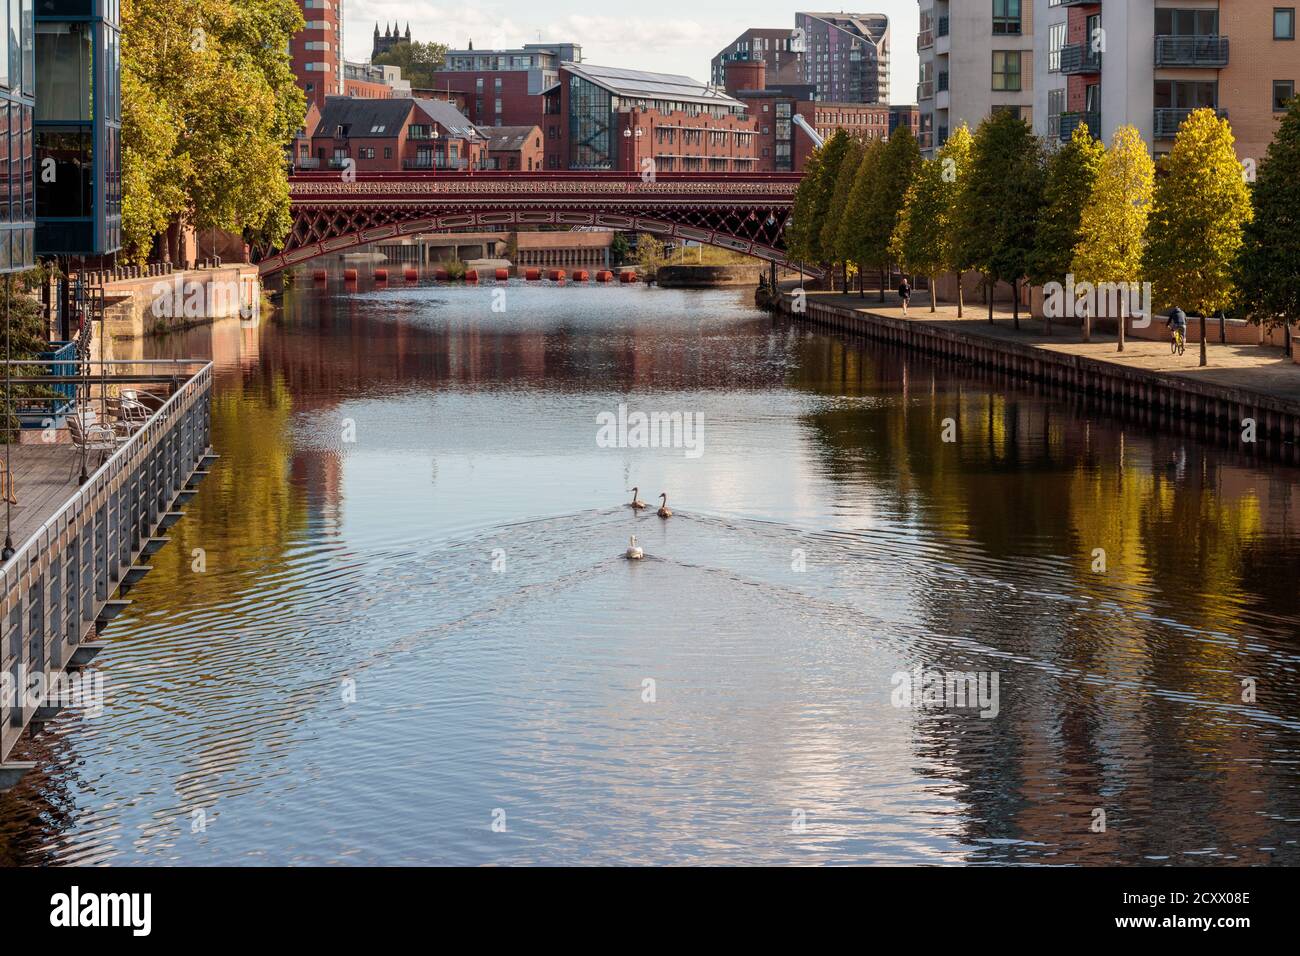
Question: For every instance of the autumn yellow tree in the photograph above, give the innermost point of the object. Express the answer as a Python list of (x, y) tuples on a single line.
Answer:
[(1113, 226), (954, 163), (1201, 207)]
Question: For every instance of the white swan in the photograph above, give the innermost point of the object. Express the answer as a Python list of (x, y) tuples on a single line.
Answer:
[(634, 552)]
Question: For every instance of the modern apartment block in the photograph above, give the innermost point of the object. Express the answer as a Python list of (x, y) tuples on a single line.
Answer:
[(777, 49), (77, 129), (370, 81), (17, 89), (845, 55), (317, 51), (976, 56), (504, 87), (1148, 63), (608, 118)]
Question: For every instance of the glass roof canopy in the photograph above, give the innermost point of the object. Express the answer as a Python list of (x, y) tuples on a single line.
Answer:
[(639, 84)]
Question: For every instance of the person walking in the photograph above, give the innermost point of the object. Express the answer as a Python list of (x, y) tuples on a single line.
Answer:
[(904, 292)]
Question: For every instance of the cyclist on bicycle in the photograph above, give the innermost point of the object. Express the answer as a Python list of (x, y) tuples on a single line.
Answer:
[(1176, 321)]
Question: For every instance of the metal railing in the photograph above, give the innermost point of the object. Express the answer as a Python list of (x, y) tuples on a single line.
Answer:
[(1071, 121), (1168, 121), (1207, 51), (58, 581), (1080, 58)]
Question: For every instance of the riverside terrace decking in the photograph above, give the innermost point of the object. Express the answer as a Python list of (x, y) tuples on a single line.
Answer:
[(79, 544)]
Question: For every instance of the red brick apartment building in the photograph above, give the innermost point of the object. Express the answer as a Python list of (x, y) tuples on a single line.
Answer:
[(783, 146), (316, 51), (599, 117), (380, 135)]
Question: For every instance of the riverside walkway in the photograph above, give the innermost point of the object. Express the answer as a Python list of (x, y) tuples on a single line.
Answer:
[(1241, 381)]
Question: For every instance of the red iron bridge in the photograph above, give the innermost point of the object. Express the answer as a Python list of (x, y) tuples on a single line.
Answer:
[(745, 212)]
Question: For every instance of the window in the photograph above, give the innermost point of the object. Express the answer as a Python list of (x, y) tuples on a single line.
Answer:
[(1055, 107), (1186, 94), (1006, 17), (1283, 91), (1284, 23), (1006, 70), (1055, 40), (1187, 23), (367, 152), (64, 91)]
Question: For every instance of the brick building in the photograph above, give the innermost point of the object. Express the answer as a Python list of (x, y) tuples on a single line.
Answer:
[(1148, 63), (514, 147), (391, 134), (783, 146), (316, 52), (599, 117), (504, 87)]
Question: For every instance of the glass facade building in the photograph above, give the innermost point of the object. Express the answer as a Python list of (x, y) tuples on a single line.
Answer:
[(592, 144), (78, 127), (17, 88)]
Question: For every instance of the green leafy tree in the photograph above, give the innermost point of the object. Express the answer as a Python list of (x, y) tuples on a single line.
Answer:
[(899, 160), (1268, 266), (649, 254), (922, 239), (1113, 226), (1195, 231), (1001, 201), (844, 179), (419, 62), (25, 335), (1071, 172), (853, 240), (813, 200), (209, 106)]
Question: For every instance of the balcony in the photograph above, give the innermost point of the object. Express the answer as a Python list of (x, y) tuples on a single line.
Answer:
[(1168, 120), (1080, 3), (924, 40), (1079, 58), (1202, 51), (925, 90), (1071, 121)]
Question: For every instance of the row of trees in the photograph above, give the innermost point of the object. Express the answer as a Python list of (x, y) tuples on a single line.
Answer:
[(209, 104), (1001, 203)]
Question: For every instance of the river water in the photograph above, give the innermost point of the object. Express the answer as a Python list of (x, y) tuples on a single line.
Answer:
[(397, 626)]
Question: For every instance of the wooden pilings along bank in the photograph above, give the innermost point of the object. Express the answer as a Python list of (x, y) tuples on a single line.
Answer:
[(69, 577), (1222, 410)]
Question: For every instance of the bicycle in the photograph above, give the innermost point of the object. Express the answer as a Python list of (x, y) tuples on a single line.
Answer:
[(1177, 343)]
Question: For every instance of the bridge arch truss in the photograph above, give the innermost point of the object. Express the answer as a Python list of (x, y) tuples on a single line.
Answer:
[(748, 214)]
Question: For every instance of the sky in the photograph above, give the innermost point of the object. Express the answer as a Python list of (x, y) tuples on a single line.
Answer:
[(668, 36)]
